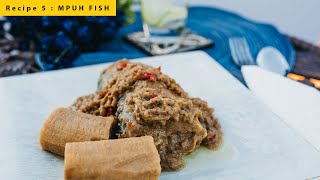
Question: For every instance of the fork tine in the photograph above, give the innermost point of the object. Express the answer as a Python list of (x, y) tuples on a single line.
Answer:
[(246, 48), (241, 52), (234, 51)]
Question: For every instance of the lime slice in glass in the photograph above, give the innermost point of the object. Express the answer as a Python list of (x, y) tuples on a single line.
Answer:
[(160, 13), (174, 18)]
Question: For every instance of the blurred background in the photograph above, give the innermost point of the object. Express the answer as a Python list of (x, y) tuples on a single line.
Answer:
[(35, 44), (296, 17)]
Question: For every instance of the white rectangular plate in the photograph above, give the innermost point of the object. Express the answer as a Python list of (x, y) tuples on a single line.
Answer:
[(257, 144)]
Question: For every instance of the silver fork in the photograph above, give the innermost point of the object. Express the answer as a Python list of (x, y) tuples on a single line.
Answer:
[(240, 51)]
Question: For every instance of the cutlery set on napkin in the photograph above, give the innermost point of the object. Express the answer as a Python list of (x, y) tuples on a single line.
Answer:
[(295, 103)]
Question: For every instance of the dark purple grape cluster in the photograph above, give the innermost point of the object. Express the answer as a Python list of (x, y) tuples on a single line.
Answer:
[(61, 39)]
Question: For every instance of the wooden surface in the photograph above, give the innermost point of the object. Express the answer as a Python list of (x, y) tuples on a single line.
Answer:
[(307, 60)]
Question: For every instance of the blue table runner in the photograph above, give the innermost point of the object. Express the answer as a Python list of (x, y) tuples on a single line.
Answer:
[(215, 24)]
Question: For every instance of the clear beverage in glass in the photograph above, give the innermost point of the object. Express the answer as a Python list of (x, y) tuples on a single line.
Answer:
[(164, 20)]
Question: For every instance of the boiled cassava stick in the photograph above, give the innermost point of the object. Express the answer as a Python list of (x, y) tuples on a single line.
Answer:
[(131, 158), (64, 125)]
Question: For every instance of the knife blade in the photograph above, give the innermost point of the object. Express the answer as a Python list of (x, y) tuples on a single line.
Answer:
[(298, 105)]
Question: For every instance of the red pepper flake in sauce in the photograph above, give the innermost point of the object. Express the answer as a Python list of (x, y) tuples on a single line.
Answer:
[(153, 95), (158, 69), (129, 124), (212, 138), (146, 75), (109, 111), (151, 77), (122, 66)]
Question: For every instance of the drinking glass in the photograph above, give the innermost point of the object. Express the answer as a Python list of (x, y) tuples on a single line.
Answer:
[(164, 21)]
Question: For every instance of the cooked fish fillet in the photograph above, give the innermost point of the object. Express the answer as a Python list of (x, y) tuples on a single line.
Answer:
[(64, 125), (130, 159), (172, 121), (210, 123)]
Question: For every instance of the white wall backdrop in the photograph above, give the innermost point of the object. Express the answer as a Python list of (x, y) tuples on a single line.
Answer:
[(296, 17)]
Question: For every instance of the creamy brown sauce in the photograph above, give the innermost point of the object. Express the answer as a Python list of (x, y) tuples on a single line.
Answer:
[(147, 102)]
